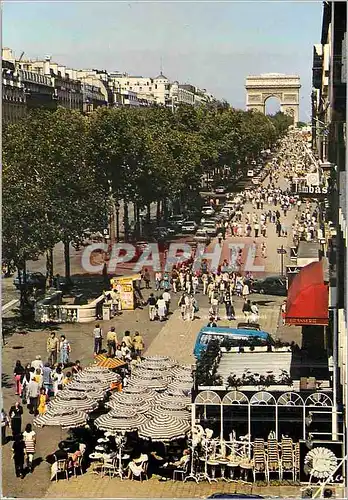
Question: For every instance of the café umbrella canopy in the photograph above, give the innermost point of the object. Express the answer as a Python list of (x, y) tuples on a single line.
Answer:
[(155, 384), (164, 428), (124, 398), (140, 407), (179, 414), (84, 405), (65, 419), (112, 423)]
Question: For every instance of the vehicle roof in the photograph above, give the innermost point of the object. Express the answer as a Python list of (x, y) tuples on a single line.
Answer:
[(232, 331)]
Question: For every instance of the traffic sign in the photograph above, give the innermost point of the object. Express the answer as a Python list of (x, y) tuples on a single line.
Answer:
[(281, 251)]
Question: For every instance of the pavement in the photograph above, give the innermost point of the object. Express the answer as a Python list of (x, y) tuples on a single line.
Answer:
[(174, 337)]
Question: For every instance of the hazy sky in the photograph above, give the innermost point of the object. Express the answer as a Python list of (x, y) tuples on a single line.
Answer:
[(214, 45)]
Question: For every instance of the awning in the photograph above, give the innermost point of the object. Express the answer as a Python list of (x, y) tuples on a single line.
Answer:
[(308, 297), (106, 362)]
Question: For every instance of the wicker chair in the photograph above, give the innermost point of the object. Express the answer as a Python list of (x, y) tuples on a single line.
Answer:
[(287, 457), (259, 459), (273, 460), (297, 460)]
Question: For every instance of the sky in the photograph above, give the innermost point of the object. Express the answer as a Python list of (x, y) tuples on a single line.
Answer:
[(213, 45)]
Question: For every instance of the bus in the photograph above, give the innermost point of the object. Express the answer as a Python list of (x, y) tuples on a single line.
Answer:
[(241, 335)]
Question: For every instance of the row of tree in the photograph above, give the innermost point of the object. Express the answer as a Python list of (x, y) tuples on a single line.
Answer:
[(61, 167)]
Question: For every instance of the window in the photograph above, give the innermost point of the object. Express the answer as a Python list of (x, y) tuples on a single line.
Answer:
[(150, 88), (155, 85), (140, 88), (130, 88)]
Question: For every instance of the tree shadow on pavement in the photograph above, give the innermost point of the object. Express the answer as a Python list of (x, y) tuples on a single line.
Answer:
[(263, 302), (23, 327)]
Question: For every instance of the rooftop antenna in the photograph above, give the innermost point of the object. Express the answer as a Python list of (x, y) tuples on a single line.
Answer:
[(161, 66)]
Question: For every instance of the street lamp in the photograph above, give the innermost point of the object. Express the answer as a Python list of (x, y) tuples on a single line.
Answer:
[(117, 207)]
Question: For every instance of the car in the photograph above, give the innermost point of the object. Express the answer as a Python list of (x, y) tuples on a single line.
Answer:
[(250, 173), (226, 211), (210, 229), (202, 236), (235, 495), (220, 190), (207, 210), (33, 280), (189, 226), (272, 285)]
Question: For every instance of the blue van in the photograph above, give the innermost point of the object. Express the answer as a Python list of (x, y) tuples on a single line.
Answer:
[(206, 334)]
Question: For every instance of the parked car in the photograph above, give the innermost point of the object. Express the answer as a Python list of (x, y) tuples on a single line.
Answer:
[(210, 228), (207, 210), (202, 236), (189, 226), (272, 285), (177, 219), (33, 280), (220, 190)]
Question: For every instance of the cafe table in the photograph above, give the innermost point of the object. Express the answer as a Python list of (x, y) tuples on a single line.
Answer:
[(213, 463), (98, 460), (223, 462)]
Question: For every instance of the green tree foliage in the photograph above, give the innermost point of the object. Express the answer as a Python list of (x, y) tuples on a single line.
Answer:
[(59, 167)]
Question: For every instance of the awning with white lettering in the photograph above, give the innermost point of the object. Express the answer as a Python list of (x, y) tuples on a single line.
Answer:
[(308, 297)]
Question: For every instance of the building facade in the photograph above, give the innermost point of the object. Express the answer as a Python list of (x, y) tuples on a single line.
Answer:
[(13, 94), (329, 104)]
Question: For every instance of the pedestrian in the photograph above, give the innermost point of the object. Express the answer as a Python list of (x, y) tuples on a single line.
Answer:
[(52, 348), (57, 378), (64, 350), (230, 314), (215, 307), (18, 448), (38, 377), (182, 305), (158, 281), (245, 290), (279, 228), (147, 278), (77, 368), (151, 302), (127, 339), (111, 341), (212, 323), (25, 379), (67, 379), (246, 310), (166, 281), (167, 298), (18, 372), (263, 250), (98, 339), (47, 379), (161, 308), (42, 402), (254, 314), (5, 422), (15, 414), (126, 352), (195, 283), (37, 363), (138, 344), (29, 438), (34, 393), (256, 229)]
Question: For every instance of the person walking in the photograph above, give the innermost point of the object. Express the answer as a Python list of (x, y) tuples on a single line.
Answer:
[(230, 314), (146, 278), (5, 422), (246, 310), (42, 402), (245, 291), (111, 341), (34, 393), (98, 339), (151, 302), (64, 350), (18, 372), (215, 307), (167, 298), (29, 438), (52, 348), (57, 378), (25, 379), (161, 308), (195, 283), (254, 314), (263, 250), (15, 414), (138, 344), (47, 379), (18, 448), (127, 339), (182, 305)]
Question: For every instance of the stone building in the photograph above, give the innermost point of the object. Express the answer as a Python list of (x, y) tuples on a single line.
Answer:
[(13, 95)]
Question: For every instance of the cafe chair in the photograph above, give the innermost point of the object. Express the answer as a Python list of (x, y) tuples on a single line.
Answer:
[(273, 460), (297, 460), (77, 465), (181, 472), (109, 467), (62, 468), (287, 457), (260, 461)]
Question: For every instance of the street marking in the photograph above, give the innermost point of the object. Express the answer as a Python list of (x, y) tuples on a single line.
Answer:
[(9, 304)]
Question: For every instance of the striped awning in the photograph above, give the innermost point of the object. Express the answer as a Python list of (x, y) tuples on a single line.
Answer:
[(67, 420), (113, 424), (67, 395), (164, 428), (179, 414), (84, 405), (141, 407), (105, 362), (128, 399)]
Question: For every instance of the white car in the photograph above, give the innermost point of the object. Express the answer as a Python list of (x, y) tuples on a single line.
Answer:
[(189, 227), (210, 228), (225, 211), (250, 173), (202, 236), (207, 210)]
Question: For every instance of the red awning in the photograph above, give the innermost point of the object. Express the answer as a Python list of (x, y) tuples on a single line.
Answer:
[(308, 297)]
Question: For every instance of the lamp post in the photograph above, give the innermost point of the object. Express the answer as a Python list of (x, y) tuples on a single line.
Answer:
[(117, 207)]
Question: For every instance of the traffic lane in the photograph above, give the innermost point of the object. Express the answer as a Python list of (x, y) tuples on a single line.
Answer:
[(9, 291)]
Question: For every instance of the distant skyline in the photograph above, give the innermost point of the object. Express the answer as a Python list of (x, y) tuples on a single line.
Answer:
[(210, 45)]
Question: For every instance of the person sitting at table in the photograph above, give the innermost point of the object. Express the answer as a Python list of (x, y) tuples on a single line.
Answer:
[(74, 457), (136, 466), (77, 367), (179, 463), (59, 454)]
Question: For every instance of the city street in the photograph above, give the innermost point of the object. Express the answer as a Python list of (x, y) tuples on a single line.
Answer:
[(174, 338)]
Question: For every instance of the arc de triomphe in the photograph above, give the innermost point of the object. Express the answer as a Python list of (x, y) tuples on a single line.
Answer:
[(284, 87)]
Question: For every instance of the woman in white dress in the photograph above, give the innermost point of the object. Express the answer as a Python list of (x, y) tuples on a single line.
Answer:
[(161, 308)]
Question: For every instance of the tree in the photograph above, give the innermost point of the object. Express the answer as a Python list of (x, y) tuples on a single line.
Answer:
[(281, 122)]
